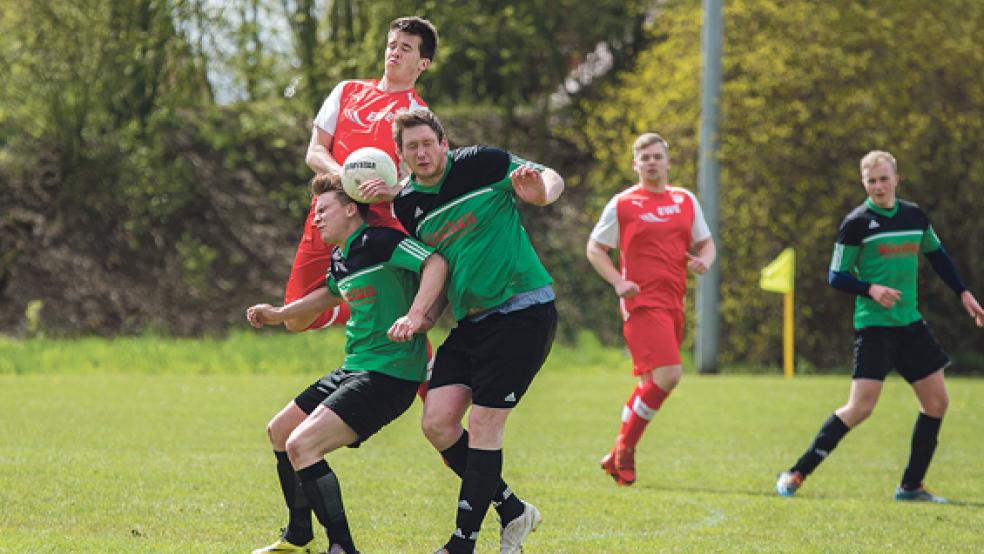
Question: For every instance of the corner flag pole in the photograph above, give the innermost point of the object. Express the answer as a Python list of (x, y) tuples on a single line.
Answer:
[(708, 175), (780, 276), (787, 333)]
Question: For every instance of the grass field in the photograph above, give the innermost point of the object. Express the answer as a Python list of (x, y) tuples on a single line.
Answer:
[(152, 445)]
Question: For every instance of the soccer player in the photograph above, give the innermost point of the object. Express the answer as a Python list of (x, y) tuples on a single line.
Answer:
[(375, 270), (660, 232), (356, 114), (462, 203), (875, 259)]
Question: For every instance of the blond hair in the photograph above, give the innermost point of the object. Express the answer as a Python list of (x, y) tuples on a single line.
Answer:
[(875, 157)]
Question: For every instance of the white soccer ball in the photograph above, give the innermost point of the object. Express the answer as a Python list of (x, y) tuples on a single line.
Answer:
[(365, 164)]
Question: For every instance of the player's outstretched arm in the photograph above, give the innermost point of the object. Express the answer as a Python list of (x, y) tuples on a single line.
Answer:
[(704, 255), (597, 254), (433, 276), (319, 157), (536, 187), (973, 307), (297, 315)]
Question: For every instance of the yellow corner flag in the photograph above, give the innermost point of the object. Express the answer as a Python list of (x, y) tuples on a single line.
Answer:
[(780, 276)]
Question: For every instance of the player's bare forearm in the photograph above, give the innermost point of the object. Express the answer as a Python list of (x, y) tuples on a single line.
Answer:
[(704, 255), (319, 157), (597, 254), (553, 185), (433, 276), (299, 314)]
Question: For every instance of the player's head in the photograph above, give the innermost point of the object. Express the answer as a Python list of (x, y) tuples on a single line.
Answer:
[(651, 159), (880, 177), (336, 215), (411, 45), (421, 143)]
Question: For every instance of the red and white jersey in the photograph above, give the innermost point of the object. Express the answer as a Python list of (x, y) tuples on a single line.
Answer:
[(358, 114), (653, 233)]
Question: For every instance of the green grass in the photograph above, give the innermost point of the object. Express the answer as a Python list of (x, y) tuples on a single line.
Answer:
[(159, 446)]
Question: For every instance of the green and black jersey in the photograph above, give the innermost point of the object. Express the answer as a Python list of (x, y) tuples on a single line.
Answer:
[(470, 217), (377, 272), (882, 247)]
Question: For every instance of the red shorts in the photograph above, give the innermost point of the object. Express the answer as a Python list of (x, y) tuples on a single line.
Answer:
[(653, 337), (311, 261)]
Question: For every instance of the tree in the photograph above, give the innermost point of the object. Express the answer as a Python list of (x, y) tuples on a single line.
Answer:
[(808, 89)]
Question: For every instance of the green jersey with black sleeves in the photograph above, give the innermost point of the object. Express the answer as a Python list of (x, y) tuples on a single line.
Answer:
[(882, 247), (377, 272), (470, 217)]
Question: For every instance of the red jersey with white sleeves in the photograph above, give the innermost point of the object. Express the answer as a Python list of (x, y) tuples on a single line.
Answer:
[(357, 114), (653, 233)]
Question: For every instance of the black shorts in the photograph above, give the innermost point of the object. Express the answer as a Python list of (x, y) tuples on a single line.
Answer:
[(497, 357), (912, 350), (365, 400)]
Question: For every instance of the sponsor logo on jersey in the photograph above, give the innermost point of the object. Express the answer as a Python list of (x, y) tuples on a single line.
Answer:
[(511, 397), (677, 198), (663, 211), (904, 250), (451, 230), (360, 295), (873, 225), (418, 212), (648, 217)]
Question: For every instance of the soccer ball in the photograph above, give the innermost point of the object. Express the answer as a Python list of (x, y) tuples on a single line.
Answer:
[(365, 164)]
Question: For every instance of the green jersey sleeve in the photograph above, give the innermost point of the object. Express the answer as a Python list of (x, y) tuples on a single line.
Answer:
[(847, 247), (410, 254), (332, 286), (514, 161), (930, 242)]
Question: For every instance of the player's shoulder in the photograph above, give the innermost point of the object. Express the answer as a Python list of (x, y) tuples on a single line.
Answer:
[(681, 195), (627, 194), (478, 153), (404, 194), (859, 213), (909, 206), (384, 235)]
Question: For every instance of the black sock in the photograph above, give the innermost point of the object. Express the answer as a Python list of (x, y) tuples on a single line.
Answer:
[(924, 435), (483, 473), (830, 434), (325, 496), (505, 502), (298, 530)]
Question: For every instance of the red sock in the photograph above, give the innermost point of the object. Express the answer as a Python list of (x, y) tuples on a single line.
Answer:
[(627, 410), (648, 400)]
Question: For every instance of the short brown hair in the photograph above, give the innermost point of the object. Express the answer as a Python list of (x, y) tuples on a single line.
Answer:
[(419, 27), (415, 118), (646, 140), (331, 182)]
